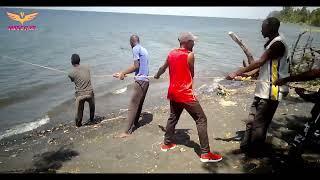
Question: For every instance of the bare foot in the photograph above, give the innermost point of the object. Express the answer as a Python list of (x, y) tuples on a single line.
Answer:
[(122, 135)]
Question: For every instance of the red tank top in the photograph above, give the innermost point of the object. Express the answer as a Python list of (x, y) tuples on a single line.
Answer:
[(180, 88)]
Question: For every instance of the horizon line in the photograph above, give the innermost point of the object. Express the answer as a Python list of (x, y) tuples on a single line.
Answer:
[(41, 8)]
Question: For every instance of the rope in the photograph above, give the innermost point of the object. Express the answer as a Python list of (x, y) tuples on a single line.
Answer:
[(101, 76), (57, 70), (53, 69)]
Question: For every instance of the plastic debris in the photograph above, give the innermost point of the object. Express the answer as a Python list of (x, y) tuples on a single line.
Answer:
[(222, 91)]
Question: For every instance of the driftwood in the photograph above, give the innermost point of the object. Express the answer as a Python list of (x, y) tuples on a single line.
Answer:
[(303, 58), (295, 45), (246, 52)]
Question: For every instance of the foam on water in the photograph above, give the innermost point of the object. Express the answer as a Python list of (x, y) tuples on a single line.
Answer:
[(25, 127), (120, 91)]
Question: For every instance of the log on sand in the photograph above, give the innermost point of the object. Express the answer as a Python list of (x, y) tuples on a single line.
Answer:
[(246, 52)]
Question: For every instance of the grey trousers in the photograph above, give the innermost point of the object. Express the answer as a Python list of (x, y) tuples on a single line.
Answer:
[(196, 112), (80, 100), (260, 117), (139, 93)]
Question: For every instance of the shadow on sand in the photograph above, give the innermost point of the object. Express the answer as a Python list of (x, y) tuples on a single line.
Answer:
[(182, 137), (146, 118), (275, 158), (49, 162)]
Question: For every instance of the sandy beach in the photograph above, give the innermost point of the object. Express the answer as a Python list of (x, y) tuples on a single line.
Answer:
[(94, 149)]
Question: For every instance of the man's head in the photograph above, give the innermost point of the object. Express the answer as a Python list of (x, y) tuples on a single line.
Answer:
[(75, 59), (186, 40), (134, 40), (270, 27)]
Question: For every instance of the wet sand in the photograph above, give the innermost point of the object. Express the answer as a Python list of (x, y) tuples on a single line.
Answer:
[(93, 147)]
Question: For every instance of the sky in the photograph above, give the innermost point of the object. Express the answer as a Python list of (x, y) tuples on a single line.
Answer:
[(228, 12)]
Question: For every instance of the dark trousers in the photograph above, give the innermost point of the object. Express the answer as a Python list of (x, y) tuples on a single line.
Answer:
[(139, 93), (195, 110), (80, 100), (260, 117)]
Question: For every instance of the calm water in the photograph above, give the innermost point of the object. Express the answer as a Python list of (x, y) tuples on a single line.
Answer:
[(28, 94)]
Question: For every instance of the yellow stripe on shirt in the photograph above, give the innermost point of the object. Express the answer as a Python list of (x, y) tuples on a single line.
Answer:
[(274, 78)]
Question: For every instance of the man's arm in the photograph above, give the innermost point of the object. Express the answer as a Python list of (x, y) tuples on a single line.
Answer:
[(306, 76), (162, 69), (191, 63), (129, 70), (132, 68), (275, 51), (70, 75)]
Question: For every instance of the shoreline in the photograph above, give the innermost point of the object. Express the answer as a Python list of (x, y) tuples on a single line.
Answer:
[(93, 148)]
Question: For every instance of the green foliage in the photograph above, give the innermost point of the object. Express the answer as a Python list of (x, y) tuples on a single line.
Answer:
[(302, 15), (315, 82)]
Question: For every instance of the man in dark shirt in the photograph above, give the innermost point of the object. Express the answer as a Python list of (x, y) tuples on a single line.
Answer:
[(80, 75), (312, 128), (272, 66)]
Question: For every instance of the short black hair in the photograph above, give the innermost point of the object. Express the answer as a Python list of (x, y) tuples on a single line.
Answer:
[(273, 23), (135, 36), (75, 59)]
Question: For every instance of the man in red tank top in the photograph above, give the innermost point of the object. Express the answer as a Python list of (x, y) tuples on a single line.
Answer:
[(180, 93)]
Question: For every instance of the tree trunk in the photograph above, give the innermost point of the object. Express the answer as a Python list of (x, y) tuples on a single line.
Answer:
[(246, 52)]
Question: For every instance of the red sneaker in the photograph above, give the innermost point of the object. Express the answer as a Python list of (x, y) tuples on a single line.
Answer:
[(166, 147), (210, 157)]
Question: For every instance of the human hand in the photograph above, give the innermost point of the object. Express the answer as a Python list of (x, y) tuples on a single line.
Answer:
[(231, 76), (119, 75)]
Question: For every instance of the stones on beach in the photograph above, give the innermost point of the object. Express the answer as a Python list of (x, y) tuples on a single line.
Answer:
[(66, 131), (122, 110), (228, 135), (225, 103), (277, 142), (51, 140), (13, 155), (223, 91), (96, 126)]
